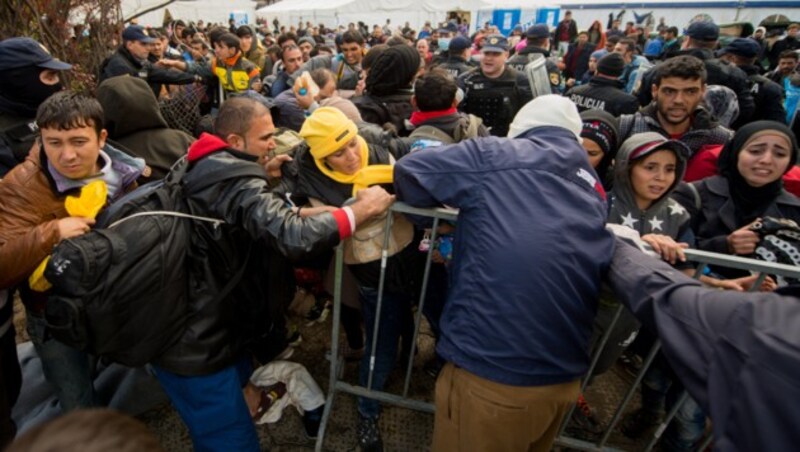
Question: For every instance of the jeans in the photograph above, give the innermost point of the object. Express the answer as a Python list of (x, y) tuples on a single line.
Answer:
[(395, 309), (661, 390), (68, 369), (213, 407)]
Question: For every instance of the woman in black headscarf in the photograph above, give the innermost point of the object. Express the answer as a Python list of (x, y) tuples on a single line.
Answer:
[(748, 187)]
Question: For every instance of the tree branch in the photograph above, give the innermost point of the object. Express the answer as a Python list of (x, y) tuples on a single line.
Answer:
[(148, 10)]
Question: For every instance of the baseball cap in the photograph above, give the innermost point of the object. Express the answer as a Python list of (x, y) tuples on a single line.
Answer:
[(459, 43), (21, 52), (703, 31), (495, 43), (136, 33), (642, 144), (743, 47), (538, 31)]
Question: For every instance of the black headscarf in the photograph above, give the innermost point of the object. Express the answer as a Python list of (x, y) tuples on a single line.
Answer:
[(751, 202), (393, 70)]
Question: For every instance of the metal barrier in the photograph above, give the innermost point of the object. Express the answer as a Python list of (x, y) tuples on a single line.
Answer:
[(336, 385)]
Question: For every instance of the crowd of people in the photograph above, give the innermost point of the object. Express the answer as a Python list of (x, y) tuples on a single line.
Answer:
[(541, 139)]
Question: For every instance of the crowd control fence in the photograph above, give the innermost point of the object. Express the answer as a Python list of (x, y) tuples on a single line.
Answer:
[(602, 443)]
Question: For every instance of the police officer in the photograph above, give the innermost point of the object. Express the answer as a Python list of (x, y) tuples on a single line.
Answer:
[(28, 76), (768, 95), (131, 59), (456, 61), (537, 40), (605, 91), (494, 92)]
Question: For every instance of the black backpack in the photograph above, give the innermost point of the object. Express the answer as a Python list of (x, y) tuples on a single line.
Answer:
[(120, 291)]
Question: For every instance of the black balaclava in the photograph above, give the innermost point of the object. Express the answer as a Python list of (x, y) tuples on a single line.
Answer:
[(21, 90), (751, 202)]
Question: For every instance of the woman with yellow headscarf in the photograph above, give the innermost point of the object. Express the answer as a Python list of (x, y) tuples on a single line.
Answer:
[(338, 163)]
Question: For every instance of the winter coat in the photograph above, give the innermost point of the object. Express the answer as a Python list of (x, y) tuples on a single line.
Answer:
[(122, 62), (393, 109), (133, 120), (527, 268), (704, 131), (346, 75), (257, 225), (577, 60), (716, 217), (29, 213), (603, 93)]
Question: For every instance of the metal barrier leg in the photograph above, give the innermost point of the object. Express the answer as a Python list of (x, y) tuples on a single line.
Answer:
[(670, 416), (334, 372), (595, 359), (379, 304), (629, 395), (420, 307)]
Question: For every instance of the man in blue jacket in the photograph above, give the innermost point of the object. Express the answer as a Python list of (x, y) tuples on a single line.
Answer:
[(530, 250)]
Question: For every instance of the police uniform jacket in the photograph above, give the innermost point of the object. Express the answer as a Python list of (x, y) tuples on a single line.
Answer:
[(602, 93), (495, 100)]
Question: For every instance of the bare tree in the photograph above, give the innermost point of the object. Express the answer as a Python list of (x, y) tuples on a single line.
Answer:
[(80, 32)]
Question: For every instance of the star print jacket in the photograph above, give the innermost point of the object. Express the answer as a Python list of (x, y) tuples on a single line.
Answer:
[(664, 216)]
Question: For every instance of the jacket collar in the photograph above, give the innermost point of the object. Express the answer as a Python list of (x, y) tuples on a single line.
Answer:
[(208, 144)]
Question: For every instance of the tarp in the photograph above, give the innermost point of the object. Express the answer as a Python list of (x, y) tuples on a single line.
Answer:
[(372, 12), (209, 11)]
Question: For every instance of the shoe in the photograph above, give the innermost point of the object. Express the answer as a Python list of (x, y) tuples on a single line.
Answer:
[(319, 312), (311, 421), (369, 435), (636, 424), (583, 417)]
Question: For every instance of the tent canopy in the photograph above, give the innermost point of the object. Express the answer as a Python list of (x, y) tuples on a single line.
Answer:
[(189, 10)]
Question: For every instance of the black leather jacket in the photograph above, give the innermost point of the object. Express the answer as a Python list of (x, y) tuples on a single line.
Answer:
[(260, 227)]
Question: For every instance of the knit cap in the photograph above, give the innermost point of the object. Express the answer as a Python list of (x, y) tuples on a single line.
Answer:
[(600, 127), (326, 131), (548, 110), (611, 65)]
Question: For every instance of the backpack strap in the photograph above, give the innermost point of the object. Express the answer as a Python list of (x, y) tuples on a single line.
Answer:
[(431, 133)]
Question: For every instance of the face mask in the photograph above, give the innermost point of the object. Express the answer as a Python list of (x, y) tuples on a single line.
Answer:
[(23, 87), (444, 43)]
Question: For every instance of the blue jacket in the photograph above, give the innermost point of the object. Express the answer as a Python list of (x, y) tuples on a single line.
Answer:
[(737, 353), (530, 250)]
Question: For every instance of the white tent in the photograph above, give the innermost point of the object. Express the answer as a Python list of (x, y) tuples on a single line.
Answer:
[(341, 12), (679, 13), (218, 11)]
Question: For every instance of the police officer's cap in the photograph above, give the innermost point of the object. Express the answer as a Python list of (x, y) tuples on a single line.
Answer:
[(495, 43), (136, 33), (21, 52), (743, 47), (703, 31), (537, 31)]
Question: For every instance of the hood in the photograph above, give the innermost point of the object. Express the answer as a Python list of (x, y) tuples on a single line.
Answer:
[(205, 145), (623, 190), (129, 106)]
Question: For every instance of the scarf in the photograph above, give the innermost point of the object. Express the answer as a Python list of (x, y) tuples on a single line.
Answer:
[(365, 177)]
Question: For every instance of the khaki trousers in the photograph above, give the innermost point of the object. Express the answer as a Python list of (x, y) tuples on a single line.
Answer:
[(475, 414)]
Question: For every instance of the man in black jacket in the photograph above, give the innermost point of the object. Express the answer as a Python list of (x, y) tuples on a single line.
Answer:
[(702, 39), (131, 59), (789, 42), (537, 40), (768, 95), (605, 90), (494, 92), (457, 60), (204, 371)]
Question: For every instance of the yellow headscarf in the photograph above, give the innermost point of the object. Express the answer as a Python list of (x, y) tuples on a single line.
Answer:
[(326, 131)]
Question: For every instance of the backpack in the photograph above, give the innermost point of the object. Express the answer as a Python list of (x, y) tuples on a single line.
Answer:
[(120, 291)]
